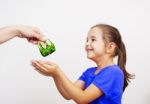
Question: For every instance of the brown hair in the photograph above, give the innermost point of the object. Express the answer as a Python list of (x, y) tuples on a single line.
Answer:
[(112, 34)]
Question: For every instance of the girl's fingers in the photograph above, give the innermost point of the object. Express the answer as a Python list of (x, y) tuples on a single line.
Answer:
[(39, 71), (43, 64), (46, 62), (44, 67), (39, 67)]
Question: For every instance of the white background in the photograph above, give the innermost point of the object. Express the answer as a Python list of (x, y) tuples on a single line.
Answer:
[(66, 23)]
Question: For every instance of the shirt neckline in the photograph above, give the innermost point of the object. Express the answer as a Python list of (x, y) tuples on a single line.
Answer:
[(102, 69)]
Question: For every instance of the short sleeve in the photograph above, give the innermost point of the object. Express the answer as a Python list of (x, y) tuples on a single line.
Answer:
[(83, 76), (110, 82), (86, 74)]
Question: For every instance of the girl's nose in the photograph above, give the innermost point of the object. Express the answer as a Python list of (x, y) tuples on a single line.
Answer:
[(88, 43)]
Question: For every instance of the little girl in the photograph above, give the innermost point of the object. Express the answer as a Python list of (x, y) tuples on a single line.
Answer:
[(103, 84)]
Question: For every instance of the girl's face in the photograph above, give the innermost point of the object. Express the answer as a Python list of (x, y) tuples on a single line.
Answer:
[(95, 46)]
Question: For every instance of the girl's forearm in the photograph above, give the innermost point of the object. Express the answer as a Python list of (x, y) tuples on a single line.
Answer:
[(74, 92), (60, 88)]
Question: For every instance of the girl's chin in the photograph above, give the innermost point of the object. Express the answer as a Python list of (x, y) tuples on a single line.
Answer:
[(90, 57)]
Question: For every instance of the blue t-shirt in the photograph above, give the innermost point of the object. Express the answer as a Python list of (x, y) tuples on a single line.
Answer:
[(109, 80)]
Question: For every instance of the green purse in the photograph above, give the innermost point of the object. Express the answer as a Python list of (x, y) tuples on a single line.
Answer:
[(46, 47)]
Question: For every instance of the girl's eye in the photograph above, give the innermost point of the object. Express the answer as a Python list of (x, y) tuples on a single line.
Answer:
[(86, 40), (93, 40)]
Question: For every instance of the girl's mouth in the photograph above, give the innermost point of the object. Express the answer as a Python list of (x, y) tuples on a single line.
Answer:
[(89, 50)]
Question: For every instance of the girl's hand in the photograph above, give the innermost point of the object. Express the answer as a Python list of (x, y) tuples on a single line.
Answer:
[(46, 68)]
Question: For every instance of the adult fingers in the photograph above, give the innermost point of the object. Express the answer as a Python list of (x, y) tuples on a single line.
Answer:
[(38, 34)]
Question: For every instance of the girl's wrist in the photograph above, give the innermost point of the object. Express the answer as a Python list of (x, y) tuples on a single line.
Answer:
[(56, 73)]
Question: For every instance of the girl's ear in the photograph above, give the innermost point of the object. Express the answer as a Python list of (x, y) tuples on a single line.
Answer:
[(110, 48)]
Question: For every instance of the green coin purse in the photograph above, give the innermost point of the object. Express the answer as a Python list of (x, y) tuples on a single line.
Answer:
[(46, 47)]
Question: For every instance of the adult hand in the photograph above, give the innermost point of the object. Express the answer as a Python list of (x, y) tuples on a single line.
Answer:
[(32, 34)]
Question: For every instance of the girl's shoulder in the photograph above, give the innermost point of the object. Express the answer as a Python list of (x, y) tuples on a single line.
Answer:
[(90, 69), (113, 69)]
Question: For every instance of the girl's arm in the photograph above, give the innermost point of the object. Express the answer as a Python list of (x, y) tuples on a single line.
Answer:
[(61, 90), (77, 94), (58, 83)]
